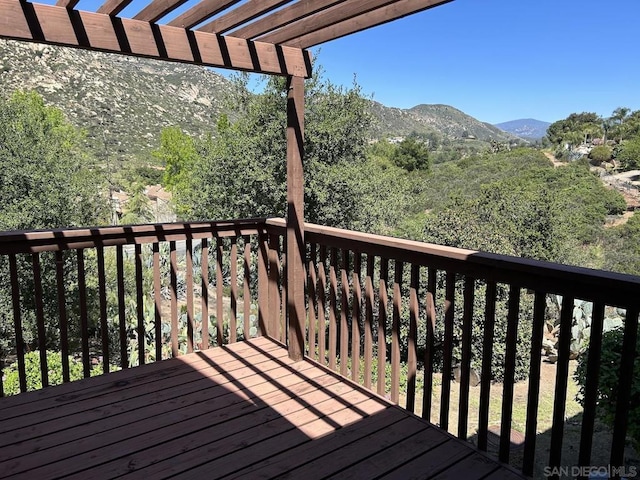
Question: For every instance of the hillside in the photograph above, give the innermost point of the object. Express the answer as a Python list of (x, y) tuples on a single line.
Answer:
[(123, 103), (442, 119), (527, 128)]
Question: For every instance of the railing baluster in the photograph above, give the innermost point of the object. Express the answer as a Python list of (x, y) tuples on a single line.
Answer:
[(449, 307), (395, 332), (204, 295), (429, 343), (368, 321), (465, 361), (122, 321), (312, 302), (140, 306), (355, 318), (509, 372), (322, 320), (333, 308), (157, 300), (233, 321), (84, 323), (42, 341), (539, 306), (591, 387), (487, 357), (282, 317), (189, 285), (344, 314), (246, 288), (412, 348), (102, 294), (219, 293), (62, 313), (274, 292), (17, 321), (173, 260), (620, 422), (263, 283), (562, 376), (382, 325)]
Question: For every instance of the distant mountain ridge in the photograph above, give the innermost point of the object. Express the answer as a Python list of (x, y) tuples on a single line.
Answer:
[(528, 128), (435, 118)]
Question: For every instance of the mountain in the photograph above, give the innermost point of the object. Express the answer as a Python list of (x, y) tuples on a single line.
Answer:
[(525, 128), (122, 103), (442, 119)]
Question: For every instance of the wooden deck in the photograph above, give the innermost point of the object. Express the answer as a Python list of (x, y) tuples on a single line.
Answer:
[(242, 411)]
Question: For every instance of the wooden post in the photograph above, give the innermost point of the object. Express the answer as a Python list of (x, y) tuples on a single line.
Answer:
[(296, 311)]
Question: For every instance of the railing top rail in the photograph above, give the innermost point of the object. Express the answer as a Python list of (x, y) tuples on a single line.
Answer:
[(74, 238), (588, 284)]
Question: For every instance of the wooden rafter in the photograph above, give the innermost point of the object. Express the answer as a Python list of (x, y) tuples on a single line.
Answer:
[(157, 9), (113, 7), (370, 19), (284, 17), (244, 13), (57, 25), (262, 36), (201, 12), (325, 18), (67, 3)]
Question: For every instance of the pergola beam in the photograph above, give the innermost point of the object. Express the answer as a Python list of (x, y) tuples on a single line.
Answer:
[(242, 14), (284, 17), (113, 7), (157, 9), (200, 12), (57, 25), (337, 13), (370, 19)]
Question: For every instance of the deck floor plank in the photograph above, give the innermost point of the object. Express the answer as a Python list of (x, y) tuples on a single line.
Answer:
[(135, 398), (241, 411)]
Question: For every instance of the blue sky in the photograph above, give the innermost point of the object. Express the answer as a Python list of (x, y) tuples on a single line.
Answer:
[(496, 60), (500, 60)]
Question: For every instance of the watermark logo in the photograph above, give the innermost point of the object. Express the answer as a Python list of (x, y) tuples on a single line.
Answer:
[(599, 472)]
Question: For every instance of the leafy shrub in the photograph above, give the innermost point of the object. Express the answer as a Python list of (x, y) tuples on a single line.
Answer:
[(32, 369), (523, 342), (601, 153), (611, 354), (629, 154)]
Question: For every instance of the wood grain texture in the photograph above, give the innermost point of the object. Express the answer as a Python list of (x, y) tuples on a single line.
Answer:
[(102, 31)]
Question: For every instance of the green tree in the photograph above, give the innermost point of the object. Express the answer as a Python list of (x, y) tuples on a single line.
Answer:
[(44, 183), (629, 154), (43, 179), (241, 170), (411, 155)]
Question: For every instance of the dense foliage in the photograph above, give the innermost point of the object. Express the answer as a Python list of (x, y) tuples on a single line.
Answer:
[(44, 183), (616, 137), (32, 370), (241, 171), (609, 381)]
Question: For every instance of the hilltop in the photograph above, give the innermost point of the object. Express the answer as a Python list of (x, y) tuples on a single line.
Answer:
[(444, 120)]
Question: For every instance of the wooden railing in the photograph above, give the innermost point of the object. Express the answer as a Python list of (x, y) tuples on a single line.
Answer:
[(113, 297), (388, 312)]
